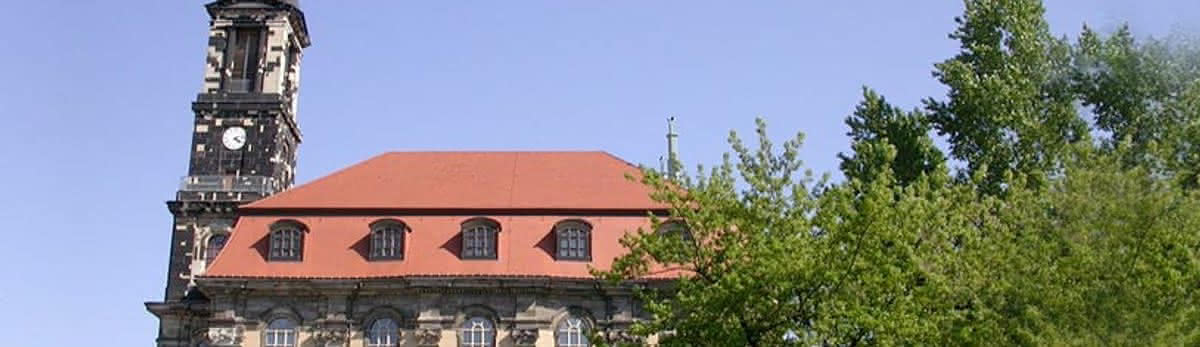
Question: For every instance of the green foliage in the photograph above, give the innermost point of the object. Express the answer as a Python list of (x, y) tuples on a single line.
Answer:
[(744, 253), (1009, 104), (1046, 237), (1104, 255), (1145, 92), (878, 129)]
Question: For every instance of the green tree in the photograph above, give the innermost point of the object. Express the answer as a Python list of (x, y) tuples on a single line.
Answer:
[(877, 127), (740, 253), (1105, 254), (1046, 239), (1145, 92), (772, 256), (1009, 104)]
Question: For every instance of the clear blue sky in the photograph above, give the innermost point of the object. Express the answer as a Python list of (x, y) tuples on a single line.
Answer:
[(96, 107)]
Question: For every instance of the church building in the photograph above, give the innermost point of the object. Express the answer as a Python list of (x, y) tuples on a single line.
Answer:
[(470, 249)]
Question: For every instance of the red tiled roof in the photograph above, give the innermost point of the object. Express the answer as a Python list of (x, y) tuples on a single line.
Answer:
[(474, 180), (337, 248), (515, 189)]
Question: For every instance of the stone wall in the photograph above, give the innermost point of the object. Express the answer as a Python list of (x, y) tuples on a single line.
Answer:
[(525, 312)]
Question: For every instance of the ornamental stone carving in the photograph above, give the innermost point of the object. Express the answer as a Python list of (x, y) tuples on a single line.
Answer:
[(225, 336), (623, 336), (525, 337), (429, 337), (331, 336)]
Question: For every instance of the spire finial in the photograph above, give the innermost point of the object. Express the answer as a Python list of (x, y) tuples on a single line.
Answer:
[(673, 164)]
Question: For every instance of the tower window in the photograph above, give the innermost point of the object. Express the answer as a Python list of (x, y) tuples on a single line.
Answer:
[(280, 333), (213, 247), (243, 59), (479, 239), (387, 240), (287, 241), (478, 332), (574, 240)]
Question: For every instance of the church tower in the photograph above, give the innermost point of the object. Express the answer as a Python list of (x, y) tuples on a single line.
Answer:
[(245, 134), (244, 137)]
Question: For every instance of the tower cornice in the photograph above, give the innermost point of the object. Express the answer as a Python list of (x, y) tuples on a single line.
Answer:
[(298, 22), (247, 105)]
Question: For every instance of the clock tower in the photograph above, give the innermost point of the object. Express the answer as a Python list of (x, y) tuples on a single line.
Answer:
[(244, 139)]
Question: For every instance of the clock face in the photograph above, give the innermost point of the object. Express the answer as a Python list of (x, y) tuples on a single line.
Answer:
[(234, 138)]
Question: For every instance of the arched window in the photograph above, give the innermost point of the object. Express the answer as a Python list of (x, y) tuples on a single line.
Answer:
[(676, 228), (479, 239), (384, 332), (572, 332), (213, 247), (574, 240), (478, 332), (280, 333), (287, 241), (387, 240)]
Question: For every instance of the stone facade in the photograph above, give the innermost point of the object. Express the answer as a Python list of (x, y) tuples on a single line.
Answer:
[(526, 312)]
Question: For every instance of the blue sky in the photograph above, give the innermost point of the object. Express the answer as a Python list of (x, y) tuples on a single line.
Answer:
[(96, 107)]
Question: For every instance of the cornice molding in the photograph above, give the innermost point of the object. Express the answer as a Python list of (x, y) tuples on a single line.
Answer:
[(338, 211), (422, 285)]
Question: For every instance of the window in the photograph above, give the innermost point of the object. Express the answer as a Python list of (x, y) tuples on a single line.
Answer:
[(287, 241), (574, 240), (677, 228), (243, 59), (383, 333), (479, 239), (280, 333), (572, 332), (213, 247), (478, 332), (387, 240)]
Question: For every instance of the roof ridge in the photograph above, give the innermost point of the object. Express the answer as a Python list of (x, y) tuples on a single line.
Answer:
[(488, 151), (622, 160)]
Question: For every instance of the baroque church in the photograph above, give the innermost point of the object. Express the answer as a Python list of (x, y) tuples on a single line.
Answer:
[(470, 249)]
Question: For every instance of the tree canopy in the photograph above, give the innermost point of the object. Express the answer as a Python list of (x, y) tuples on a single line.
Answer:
[(1075, 219)]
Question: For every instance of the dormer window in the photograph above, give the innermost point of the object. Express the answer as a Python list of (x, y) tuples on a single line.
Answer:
[(287, 241), (574, 240), (387, 240), (479, 239)]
